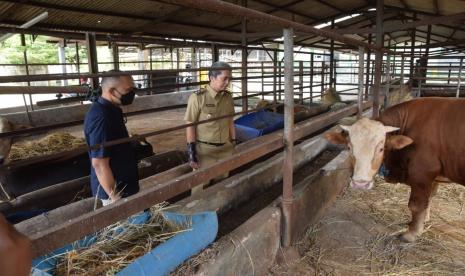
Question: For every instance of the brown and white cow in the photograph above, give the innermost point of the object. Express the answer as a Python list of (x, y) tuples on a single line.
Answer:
[(420, 142)]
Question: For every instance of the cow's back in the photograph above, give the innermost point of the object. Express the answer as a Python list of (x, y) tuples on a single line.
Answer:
[(437, 127)]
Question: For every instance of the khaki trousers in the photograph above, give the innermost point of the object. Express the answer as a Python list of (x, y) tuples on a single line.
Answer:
[(208, 155)]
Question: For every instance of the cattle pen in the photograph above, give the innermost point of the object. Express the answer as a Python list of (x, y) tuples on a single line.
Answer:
[(285, 208)]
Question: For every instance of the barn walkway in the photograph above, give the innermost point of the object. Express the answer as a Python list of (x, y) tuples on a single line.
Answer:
[(357, 236)]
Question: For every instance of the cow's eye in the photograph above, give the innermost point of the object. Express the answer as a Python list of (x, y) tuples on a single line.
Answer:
[(381, 149)]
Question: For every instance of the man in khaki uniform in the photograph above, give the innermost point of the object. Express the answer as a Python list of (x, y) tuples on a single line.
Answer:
[(208, 143)]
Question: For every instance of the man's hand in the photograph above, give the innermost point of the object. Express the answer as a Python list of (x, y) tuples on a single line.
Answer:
[(192, 156)]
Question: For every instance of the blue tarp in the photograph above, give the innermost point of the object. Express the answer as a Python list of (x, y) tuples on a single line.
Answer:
[(164, 258)]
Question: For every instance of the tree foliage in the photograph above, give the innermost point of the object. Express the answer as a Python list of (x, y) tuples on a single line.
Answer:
[(38, 51)]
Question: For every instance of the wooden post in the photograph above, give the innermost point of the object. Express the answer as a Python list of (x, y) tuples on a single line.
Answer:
[(458, 81), (448, 75), (402, 61), (263, 81), (412, 52), (368, 73), (379, 57), (288, 135), (26, 64), (78, 62), (301, 82), (115, 51), (177, 59), (91, 43), (361, 53), (331, 60), (244, 55), (311, 77), (280, 80), (322, 78), (275, 70)]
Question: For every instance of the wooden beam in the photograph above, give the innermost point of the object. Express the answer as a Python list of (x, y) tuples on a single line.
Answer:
[(366, 18), (287, 8), (275, 9), (405, 26), (331, 6)]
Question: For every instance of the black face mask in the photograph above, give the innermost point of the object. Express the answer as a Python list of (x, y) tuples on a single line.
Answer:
[(128, 98)]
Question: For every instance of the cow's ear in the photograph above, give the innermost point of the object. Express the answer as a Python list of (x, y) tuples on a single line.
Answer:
[(388, 129), (337, 138), (398, 141)]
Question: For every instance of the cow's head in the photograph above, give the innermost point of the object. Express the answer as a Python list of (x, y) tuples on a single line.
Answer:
[(367, 143)]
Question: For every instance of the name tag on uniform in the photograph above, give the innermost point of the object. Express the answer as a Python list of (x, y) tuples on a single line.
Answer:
[(210, 105)]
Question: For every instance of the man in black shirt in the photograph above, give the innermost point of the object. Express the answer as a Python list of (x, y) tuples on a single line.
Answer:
[(114, 169)]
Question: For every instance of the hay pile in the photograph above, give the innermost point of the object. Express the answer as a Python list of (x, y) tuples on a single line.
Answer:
[(50, 144), (115, 249), (330, 96), (359, 235)]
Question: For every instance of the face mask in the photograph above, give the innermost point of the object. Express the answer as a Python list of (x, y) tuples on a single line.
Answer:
[(128, 98)]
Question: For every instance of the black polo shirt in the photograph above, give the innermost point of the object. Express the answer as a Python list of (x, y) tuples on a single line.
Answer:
[(105, 122)]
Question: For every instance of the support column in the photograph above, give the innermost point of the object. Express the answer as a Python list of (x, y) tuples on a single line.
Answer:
[(311, 77), (402, 60), (91, 44), (142, 58), (379, 57), (361, 61), (367, 82), (62, 59), (115, 53), (458, 81), (388, 77), (412, 52), (288, 135), (301, 82), (275, 71), (263, 80), (23, 43), (194, 64), (245, 102), (215, 53), (177, 59), (78, 61), (331, 60)]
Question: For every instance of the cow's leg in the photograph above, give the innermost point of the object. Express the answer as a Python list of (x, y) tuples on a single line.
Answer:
[(435, 185), (420, 196)]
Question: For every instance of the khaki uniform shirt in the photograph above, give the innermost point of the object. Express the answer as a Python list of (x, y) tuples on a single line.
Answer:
[(207, 104)]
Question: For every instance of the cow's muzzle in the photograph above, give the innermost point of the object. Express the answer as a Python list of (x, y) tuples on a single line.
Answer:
[(364, 185)]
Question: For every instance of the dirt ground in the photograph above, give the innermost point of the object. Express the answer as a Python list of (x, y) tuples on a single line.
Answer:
[(358, 236)]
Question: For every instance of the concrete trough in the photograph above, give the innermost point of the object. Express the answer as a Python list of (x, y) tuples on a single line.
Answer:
[(251, 249)]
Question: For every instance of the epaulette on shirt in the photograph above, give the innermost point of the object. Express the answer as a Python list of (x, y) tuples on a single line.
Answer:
[(200, 91)]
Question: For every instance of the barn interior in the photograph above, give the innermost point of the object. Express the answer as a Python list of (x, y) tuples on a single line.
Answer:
[(286, 196)]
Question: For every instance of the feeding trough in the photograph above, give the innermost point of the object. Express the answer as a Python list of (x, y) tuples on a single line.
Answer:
[(198, 231)]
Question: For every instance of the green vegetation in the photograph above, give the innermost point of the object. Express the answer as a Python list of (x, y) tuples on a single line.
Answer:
[(38, 51)]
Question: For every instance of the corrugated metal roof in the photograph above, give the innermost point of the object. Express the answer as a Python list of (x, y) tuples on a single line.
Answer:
[(155, 18)]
